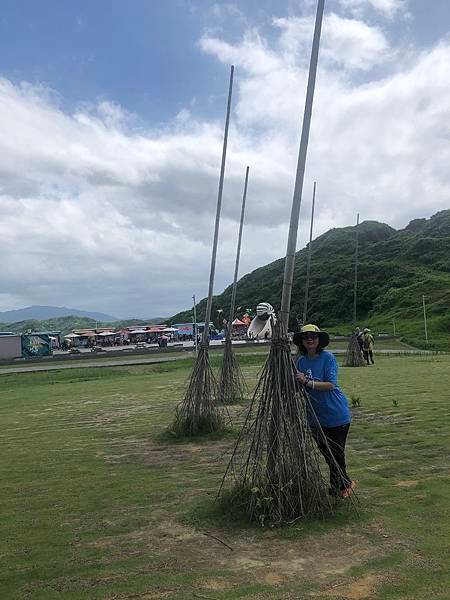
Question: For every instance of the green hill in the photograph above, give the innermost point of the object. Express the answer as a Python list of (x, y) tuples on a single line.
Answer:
[(395, 269)]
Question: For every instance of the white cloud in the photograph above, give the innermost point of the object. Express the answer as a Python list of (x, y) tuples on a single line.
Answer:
[(227, 9), (100, 212), (350, 43), (388, 8)]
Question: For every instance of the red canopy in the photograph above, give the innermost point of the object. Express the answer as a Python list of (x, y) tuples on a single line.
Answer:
[(238, 323)]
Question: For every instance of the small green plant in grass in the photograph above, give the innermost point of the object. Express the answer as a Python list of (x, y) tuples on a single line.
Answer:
[(235, 504), (263, 505), (356, 401), (395, 402)]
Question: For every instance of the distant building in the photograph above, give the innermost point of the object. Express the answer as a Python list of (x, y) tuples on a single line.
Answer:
[(10, 345), (187, 329)]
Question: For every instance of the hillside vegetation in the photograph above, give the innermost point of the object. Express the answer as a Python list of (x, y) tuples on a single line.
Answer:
[(395, 269)]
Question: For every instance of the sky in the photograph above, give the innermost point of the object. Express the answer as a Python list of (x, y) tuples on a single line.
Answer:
[(111, 127)]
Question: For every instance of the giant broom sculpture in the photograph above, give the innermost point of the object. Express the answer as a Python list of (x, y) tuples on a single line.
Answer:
[(354, 356), (231, 381), (274, 470), (198, 411)]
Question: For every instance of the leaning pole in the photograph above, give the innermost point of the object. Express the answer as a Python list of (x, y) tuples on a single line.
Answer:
[(198, 411), (231, 381), (219, 207), (238, 251), (354, 356), (355, 283), (308, 265), (275, 468), (300, 175)]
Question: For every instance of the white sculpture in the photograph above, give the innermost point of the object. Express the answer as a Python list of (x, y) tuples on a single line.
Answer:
[(261, 326)]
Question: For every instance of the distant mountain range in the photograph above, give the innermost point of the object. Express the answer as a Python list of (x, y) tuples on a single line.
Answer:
[(43, 313)]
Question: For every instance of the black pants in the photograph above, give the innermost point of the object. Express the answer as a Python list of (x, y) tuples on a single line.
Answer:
[(368, 353), (333, 450)]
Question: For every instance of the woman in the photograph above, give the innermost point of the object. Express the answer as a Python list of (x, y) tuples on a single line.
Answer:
[(317, 371)]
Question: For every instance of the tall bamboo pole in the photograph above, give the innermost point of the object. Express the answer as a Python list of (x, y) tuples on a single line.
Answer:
[(238, 253), (308, 266), (194, 328), (355, 286), (219, 206), (425, 318), (301, 163)]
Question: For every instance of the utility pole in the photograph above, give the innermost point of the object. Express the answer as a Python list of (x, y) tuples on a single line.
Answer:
[(308, 265), (393, 323), (355, 288), (195, 325), (425, 318)]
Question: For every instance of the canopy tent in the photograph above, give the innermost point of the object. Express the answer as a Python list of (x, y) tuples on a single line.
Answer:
[(71, 335), (238, 323), (106, 333), (170, 330)]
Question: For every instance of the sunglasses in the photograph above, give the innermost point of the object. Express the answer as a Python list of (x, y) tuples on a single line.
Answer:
[(310, 336)]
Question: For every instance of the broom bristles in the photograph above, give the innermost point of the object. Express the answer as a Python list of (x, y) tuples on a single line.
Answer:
[(274, 473), (354, 357), (198, 412), (231, 384)]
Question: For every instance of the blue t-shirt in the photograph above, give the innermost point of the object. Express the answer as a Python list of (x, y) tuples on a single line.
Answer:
[(331, 407)]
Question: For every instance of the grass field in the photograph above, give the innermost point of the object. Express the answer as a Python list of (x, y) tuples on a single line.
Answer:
[(97, 502)]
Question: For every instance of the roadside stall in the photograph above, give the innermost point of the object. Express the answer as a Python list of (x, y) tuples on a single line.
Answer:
[(185, 331), (154, 332), (138, 335), (107, 338), (238, 330)]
